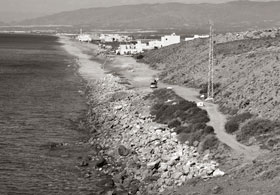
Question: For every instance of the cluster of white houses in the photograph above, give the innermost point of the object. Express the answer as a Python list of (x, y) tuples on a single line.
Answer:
[(130, 47), (105, 38), (139, 46)]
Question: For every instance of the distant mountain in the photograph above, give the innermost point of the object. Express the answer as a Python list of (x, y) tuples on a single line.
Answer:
[(233, 15)]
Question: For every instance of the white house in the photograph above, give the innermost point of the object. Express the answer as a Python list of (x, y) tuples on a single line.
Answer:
[(129, 49), (114, 38), (170, 39), (155, 44), (196, 37), (84, 38)]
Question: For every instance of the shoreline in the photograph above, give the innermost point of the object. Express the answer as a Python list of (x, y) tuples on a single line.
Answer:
[(124, 129)]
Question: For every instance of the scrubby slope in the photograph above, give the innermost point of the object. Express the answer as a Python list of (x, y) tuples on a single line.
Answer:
[(248, 71)]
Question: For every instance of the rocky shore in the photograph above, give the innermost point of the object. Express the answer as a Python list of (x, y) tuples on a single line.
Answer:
[(142, 157)]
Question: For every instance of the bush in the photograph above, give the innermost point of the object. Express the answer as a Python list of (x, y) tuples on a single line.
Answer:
[(209, 130), (182, 137), (257, 127), (184, 112), (174, 123), (232, 125), (209, 142), (181, 129)]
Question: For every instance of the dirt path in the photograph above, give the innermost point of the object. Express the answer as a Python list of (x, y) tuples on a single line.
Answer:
[(217, 121), (140, 76)]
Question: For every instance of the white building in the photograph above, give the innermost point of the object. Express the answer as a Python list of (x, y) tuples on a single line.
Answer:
[(114, 38), (155, 44), (196, 37), (84, 38), (129, 49), (170, 40)]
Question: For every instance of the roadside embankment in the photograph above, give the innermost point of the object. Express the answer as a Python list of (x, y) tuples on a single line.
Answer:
[(149, 152)]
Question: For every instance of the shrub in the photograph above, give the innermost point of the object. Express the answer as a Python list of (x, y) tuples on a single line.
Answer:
[(181, 129), (174, 123), (256, 127), (209, 130), (232, 125), (209, 142), (182, 137), (139, 57)]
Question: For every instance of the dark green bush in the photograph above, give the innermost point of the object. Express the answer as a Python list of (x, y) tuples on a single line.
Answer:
[(209, 142), (181, 129), (209, 130), (174, 123), (183, 112), (257, 127), (232, 125)]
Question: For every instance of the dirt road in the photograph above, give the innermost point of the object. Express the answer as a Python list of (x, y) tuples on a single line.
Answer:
[(140, 75)]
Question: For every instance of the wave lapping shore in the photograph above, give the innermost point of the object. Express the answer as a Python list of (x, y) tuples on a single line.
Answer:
[(143, 157)]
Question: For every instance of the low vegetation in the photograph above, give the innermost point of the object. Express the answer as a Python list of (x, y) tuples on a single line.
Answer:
[(261, 129), (234, 122), (188, 120)]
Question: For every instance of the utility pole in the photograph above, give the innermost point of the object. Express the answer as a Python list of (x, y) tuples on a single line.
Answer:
[(210, 88)]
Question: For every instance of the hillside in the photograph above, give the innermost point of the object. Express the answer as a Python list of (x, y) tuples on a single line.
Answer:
[(247, 70), (227, 16)]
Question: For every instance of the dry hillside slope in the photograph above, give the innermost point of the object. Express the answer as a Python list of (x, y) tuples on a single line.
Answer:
[(248, 71)]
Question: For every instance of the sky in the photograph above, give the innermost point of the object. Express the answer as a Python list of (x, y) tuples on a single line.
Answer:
[(21, 9)]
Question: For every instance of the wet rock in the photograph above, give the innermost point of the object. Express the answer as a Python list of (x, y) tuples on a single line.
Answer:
[(123, 151), (84, 162), (100, 162)]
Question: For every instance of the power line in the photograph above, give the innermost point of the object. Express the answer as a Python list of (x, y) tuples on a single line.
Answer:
[(210, 88)]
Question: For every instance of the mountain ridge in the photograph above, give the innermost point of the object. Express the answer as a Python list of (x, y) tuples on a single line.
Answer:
[(232, 15)]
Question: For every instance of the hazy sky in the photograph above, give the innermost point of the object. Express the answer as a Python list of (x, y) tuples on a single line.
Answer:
[(20, 9)]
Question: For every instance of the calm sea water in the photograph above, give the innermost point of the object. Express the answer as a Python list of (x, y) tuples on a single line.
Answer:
[(40, 106)]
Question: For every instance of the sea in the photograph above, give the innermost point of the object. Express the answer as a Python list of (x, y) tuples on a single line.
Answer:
[(42, 141)]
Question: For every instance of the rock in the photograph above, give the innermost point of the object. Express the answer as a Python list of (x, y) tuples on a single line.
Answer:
[(186, 169), (195, 143), (84, 163), (177, 175), (154, 164), (100, 162), (217, 190), (118, 107), (163, 167), (218, 173), (123, 151)]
